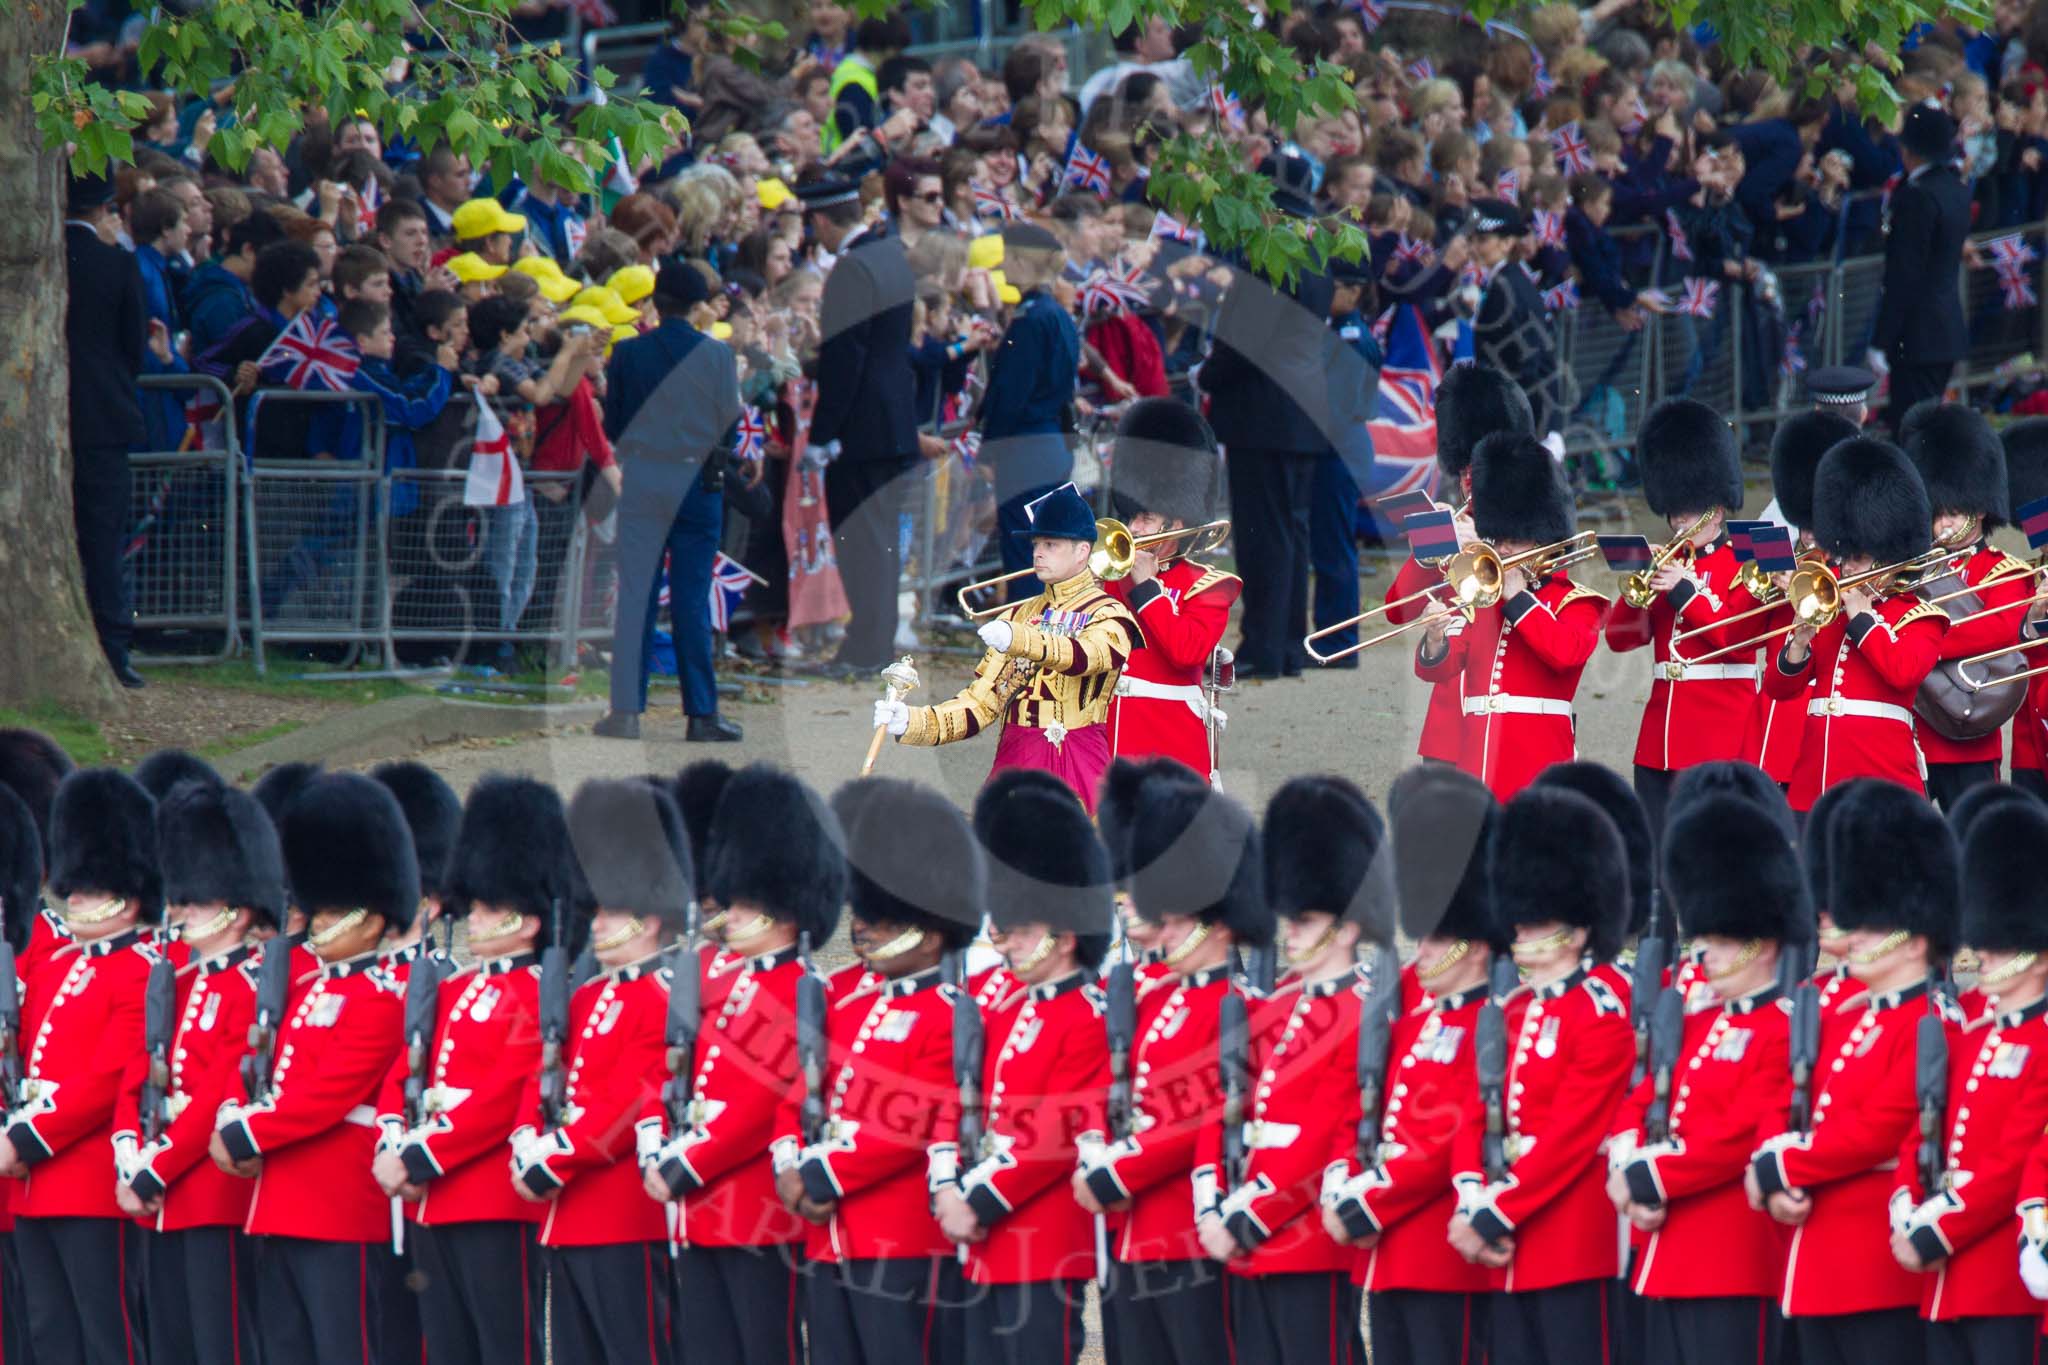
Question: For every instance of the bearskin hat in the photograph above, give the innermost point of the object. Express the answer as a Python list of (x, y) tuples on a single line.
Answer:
[(347, 844), (1893, 864), (1611, 792), (1868, 500), (629, 841), (166, 768), (912, 859), (276, 788), (1731, 870), (1325, 850), (2026, 462), (1441, 821), (1555, 855), (1796, 449), (21, 868), (1517, 493), (1985, 796), (1195, 852), (2005, 904), (218, 844), (773, 844), (1165, 462), (1472, 403), (1119, 804), (1046, 864), (512, 849), (697, 789), (434, 812), (103, 838), (1813, 839), (1731, 777), (32, 765), (1960, 459), (1688, 457)]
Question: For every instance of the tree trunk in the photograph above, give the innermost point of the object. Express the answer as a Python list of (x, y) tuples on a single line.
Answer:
[(49, 651)]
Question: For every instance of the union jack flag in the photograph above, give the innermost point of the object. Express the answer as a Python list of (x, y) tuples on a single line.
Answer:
[(750, 434), (1413, 251), (1632, 122), (202, 411), (1549, 228), (1420, 70), (1508, 185), (1699, 298), (311, 353), (989, 204), (2011, 252), (1382, 329), (1228, 107), (729, 580), (1404, 432), (1088, 170), (967, 445), (1562, 299), (1165, 224), (1543, 85), (1471, 274), (2015, 289), (1574, 156), (1794, 360), (1107, 292), (1371, 13), (1681, 249), (369, 200)]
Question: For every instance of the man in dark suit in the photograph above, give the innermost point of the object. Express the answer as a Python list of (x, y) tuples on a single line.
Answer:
[(1921, 331), (1269, 392), (867, 407), (1512, 330), (674, 397), (106, 331)]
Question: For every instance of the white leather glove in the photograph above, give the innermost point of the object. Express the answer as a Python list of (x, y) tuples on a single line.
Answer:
[(2034, 1269), (997, 635), (893, 716)]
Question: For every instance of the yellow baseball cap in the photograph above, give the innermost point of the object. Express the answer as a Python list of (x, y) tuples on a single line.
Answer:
[(482, 217), (620, 334), (588, 316), (985, 253), (772, 193), (608, 303), (1007, 292), (554, 285), (631, 283), (721, 331), (471, 268)]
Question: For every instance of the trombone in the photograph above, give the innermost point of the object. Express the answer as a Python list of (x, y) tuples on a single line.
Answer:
[(1815, 596), (1473, 575), (1114, 553), (1962, 665), (1635, 586)]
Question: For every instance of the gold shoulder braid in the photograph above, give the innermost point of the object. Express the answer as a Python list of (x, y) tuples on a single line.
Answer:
[(1921, 611)]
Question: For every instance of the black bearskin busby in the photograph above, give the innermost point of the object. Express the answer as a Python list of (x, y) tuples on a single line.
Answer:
[(1868, 500), (1730, 777), (1325, 850), (1046, 864), (21, 868), (1518, 494), (218, 844), (774, 845), (1960, 459), (1195, 852), (276, 788), (2005, 903), (1611, 792), (630, 842), (1165, 462), (1796, 450), (1688, 458), (1440, 822), (512, 850), (347, 844), (912, 859), (1473, 403), (1555, 855), (1731, 870), (434, 812), (32, 765), (1813, 838), (1983, 797), (166, 768), (1893, 864), (103, 838), (1119, 803), (697, 789)]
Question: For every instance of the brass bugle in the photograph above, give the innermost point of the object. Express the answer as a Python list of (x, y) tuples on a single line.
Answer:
[(1114, 553), (1635, 586), (1815, 596)]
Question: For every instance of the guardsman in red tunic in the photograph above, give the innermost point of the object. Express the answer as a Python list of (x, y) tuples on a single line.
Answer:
[(1520, 659), (1030, 1249), (2026, 474), (608, 1280), (1708, 1270), (308, 1137), (1196, 873), (510, 871), (1962, 465), (1291, 1295), (1167, 471), (1861, 671), (32, 766), (1893, 884), (1425, 1301), (774, 867), (1473, 402), (1777, 725), (1697, 711), (81, 1024), (224, 886), (1959, 1234), (890, 1291)]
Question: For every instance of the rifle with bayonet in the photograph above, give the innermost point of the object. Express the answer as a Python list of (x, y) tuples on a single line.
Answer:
[(1376, 1015), (810, 1043), (554, 1029), (685, 1022), (273, 996), (1490, 1060), (1804, 1056), (1646, 983), (159, 1023), (1930, 1090)]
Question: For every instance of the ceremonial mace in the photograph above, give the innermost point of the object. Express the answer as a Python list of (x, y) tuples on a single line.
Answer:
[(898, 681)]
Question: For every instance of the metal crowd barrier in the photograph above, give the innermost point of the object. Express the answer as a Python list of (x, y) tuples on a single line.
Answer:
[(179, 556)]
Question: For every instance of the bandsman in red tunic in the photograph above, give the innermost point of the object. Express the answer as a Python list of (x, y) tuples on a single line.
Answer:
[(224, 887), (308, 1141), (1166, 473), (774, 868), (1197, 874), (1559, 878), (1893, 879), (1707, 1271), (1520, 660), (2026, 474), (1697, 711), (1425, 1301), (1291, 1296), (1861, 671)]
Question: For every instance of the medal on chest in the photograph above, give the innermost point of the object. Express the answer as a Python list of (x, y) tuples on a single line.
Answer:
[(1733, 1044), (480, 1010), (208, 1013), (2008, 1061), (1546, 1041)]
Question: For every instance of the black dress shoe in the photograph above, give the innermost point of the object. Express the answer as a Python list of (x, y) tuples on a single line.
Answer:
[(618, 725), (125, 674), (1249, 674), (713, 730)]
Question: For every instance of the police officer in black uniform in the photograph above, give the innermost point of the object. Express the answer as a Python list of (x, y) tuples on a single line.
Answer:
[(1512, 330)]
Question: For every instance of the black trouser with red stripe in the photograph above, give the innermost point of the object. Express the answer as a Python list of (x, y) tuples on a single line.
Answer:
[(609, 1305), (200, 1285), (1985, 1341), (1173, 1312), (480, 1292), (737, 1306), (73, 1274), (1566, 1325), (1420, 1324), (1308, 1318), (312, 1301), (1732, 1330), (900, 1311), (1886, 1336), (1037, 1323)]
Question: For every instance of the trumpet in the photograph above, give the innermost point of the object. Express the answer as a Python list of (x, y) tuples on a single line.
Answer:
[(1635, 586), (1115, 552), (1815, 596), (1473, 577)]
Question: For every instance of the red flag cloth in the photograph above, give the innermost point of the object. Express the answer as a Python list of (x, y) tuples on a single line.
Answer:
[(816, 596)]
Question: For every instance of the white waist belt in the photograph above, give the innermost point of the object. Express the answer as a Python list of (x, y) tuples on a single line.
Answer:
[(1874, 710), (1521, 706), (363, 1116), (1188, 694), (1677, 670)]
